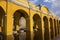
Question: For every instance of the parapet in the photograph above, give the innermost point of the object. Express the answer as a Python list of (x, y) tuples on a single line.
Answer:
[(44, 9), (30, 5)]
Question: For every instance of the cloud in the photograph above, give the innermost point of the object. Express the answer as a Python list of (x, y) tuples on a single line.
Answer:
[(49, 0), (46, 1), (55, 6), (33, 1)]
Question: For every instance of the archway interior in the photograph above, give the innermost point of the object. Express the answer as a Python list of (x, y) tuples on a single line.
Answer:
[(20, 22), (59, 22), (51, 29), (46, 29), (37, 27), (55, 28), (58, 27), (2, 22)]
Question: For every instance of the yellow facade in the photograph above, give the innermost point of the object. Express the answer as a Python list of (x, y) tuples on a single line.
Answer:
[(12, 11)]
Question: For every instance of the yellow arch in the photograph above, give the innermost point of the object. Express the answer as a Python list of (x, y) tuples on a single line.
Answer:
[(37, 25), (13, 8), (3, 5)]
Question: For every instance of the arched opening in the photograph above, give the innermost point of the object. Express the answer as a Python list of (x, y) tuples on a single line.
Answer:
[(21, 26), (2, 23), (46, 28), (55, 28), (51, 28), (37, 27), (59, 27)]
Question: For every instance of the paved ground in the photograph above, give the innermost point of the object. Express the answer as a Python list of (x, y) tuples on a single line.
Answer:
[(57, 38)]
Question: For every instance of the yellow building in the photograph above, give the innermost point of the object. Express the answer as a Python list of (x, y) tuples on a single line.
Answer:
[(20, 14)]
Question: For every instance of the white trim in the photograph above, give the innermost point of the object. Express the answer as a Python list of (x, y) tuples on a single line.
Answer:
[(19, 3), (24, 5), (27, 6)]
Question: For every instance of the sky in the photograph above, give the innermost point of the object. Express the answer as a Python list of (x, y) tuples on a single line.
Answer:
[(53, 5)]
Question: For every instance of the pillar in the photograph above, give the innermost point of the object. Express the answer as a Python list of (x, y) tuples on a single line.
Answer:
[(9, 27), (31, 26)]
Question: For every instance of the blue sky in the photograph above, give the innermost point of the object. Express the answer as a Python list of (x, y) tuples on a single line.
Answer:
[(53, 5)]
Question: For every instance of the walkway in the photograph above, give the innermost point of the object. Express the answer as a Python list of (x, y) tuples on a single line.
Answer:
[(57, 38)]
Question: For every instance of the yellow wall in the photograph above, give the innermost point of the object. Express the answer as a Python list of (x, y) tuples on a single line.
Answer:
[(12, 8), (44, 10)]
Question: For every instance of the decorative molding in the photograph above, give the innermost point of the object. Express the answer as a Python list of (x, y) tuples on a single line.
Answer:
[(27, 6)]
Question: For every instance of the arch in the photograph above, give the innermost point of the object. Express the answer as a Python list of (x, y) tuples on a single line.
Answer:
[(37, 27), (46, 28), (58, 27), (55, 27), (51, 28), (21, 14), (2, 22)]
